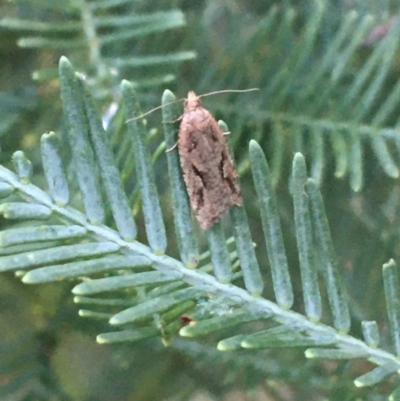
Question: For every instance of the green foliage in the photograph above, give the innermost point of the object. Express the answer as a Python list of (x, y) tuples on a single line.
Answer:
[(101, 220), (314, 98)]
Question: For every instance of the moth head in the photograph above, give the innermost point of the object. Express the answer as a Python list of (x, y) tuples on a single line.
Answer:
[(192, 101)]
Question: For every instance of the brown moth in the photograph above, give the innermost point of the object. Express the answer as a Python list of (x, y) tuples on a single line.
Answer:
[(208, 170)]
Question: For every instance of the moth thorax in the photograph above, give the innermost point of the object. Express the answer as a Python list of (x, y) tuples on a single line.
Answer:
[(192, 101)]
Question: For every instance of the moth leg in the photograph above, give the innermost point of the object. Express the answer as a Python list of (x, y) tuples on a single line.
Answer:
[(227, 133), (173, 147)]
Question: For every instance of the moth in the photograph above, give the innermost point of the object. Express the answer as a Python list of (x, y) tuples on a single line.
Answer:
[(208, 170)]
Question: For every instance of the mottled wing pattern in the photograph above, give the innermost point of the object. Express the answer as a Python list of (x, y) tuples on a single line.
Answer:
[(208, 170)]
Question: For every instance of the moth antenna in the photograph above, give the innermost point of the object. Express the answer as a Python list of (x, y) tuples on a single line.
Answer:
[(150, 111), (179, 100), (229, 91)]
